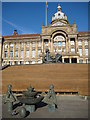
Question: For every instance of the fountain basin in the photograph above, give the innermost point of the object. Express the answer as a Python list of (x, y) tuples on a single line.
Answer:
[(30, 101), (30, 94)]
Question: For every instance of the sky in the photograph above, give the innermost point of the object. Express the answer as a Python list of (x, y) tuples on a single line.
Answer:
[(28, 17)]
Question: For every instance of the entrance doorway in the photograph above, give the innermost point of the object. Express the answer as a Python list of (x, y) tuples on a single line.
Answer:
[(73, 60), (66, 60)]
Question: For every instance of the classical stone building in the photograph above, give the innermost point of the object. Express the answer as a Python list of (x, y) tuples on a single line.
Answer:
[(58, 37)]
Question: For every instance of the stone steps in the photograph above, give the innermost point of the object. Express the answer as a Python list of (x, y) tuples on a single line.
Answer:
[(65, 77)]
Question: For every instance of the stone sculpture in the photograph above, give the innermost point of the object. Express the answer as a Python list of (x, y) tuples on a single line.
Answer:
[(29, 100), (10, 98), (48, 58), (51, 99), (22, 112)]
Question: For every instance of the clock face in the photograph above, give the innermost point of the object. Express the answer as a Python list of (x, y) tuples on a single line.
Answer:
[(59, 24)]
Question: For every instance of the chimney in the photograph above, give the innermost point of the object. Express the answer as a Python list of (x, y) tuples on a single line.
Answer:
[(15, 32)]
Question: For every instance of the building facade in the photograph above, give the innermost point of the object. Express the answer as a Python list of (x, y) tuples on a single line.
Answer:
[(59, 37)]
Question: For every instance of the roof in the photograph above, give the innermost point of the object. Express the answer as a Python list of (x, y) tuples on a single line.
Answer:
[(83, 33), (23, 36)]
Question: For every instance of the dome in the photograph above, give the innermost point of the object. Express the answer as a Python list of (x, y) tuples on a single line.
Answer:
[(59, 14)]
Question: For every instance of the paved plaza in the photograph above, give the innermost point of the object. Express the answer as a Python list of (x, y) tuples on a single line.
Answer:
[(68, 107)]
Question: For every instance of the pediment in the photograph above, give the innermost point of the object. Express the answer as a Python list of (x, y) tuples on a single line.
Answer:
[(59, 23)]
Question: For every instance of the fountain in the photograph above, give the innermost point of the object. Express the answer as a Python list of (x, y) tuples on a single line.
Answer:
[(29, 99)]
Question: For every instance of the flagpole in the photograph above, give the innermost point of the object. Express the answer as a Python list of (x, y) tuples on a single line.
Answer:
[(46, 13)]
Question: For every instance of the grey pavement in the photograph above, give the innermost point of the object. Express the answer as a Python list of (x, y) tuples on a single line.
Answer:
[(68, 107)]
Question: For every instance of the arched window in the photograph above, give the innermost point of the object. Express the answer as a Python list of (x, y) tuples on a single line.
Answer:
[(60, 43), (59, 38)]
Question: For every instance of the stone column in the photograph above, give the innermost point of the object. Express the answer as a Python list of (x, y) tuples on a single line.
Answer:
[(83, 51), (76, 45), (70, 59), (83, 48), (51, 45), (69, 46), (8, 53), (24, 52), (57, 46), (66, 46), (36, 52), (61, 47), (19, 52), (3, 52), (30, 51), (13, 53), (42, 46), (88, 50), (62, 60), (0, 51), (77, 59)]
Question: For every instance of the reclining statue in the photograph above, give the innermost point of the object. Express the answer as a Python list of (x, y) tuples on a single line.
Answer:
[(48, 58)]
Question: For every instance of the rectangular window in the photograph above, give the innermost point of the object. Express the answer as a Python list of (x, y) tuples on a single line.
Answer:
[(55, 50), (55, 44), (16, 46), (33, 44), (80, 51), (33, 62), (39, 61), (10, 62), (64, 50), (27, 62), (5, 62), (59, 44), (39, 52), (80, 61), (63, 44), (59, 50), (6, 54), (11, 54), (86, 52), (6, 46), (72, 42), (79, 42), (39, 44), (22, 45), (16, 62), (86, 42), (11, 45), (27, 53), (86, 60), (22, 54), (21, 62), (27, 45), (33, 53), (46, 42), (16, 53), (72, 50)]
